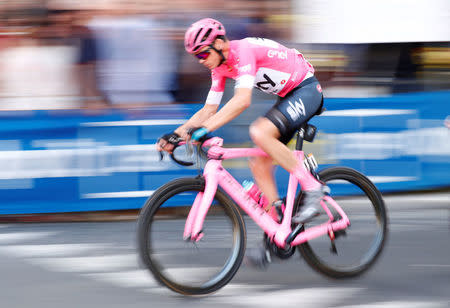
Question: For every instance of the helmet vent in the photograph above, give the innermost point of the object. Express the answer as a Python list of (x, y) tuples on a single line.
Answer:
[(198, 33), (206, 35)]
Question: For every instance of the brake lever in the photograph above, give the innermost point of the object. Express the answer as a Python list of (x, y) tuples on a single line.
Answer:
[(189, 148)]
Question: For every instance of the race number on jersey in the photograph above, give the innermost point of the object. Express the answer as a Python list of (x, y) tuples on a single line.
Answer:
[(270, 81)]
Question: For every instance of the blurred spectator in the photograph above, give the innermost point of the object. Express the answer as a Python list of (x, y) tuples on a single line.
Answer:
[(135, 60), (36, 66), (130, 53), (86, 69), (406, 70)]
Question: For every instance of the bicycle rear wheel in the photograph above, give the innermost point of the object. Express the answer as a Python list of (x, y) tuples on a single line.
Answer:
[(186, 267), (361, 244)]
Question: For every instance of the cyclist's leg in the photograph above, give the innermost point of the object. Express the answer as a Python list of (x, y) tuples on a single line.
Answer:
[(267, 136), (271, 134), (286, 117), (262, 170)]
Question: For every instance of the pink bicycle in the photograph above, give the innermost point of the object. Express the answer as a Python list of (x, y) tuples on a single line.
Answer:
[(192, 236)]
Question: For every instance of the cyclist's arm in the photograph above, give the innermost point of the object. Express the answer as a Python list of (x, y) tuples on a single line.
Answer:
[(209, 109), (197, 119), (241, 100), (234, 107)]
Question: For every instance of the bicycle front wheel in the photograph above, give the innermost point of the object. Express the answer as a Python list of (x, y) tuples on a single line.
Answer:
[(186, 267), (362, 242)]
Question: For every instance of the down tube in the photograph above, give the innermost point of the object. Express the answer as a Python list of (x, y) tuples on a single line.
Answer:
[(238, 194)]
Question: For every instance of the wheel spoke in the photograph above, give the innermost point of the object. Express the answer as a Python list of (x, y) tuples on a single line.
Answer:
[(185, 266), (363, 241)]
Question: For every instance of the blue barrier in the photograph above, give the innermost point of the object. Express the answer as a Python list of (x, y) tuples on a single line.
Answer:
[(65, 161)]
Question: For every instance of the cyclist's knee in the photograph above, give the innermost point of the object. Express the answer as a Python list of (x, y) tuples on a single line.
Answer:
[(261, 167), (256, 162), (262, 129)]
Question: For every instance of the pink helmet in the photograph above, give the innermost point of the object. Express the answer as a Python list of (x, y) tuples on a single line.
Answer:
[(202, 33)]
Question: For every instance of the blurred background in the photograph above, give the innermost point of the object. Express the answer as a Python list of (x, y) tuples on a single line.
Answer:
[(59, 54), (87, 86)]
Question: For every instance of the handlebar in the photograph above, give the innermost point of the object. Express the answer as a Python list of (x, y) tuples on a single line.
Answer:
[(179, 161), (200, 151)]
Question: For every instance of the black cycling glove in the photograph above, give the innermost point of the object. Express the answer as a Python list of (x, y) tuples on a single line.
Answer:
[(172, 138)]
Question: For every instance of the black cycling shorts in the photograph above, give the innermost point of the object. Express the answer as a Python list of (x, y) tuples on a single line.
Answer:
[(296, 108)]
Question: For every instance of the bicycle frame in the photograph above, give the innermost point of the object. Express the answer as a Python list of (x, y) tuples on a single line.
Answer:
[(215, 175)]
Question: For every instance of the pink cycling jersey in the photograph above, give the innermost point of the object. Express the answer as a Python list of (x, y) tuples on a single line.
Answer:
[(261, 63)]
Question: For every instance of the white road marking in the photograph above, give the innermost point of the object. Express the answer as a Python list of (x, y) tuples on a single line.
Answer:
[(50, 250), (142, 278), (431, 265), (88, 264), (309, 297), (401, 304), (7, 238), (191, 272), (411, 226), (420, 216), (230, 289), (234, 289), (128, 279), (184, 246)]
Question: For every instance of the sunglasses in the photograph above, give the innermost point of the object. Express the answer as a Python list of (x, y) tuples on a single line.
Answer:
[(203, 55)]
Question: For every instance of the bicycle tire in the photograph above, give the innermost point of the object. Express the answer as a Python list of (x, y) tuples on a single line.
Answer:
[(148, 221), (315, 254)]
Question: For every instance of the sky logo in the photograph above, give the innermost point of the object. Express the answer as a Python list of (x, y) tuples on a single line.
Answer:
[(296, 109)]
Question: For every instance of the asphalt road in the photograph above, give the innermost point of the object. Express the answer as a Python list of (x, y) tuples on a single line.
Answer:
[(95, 264)]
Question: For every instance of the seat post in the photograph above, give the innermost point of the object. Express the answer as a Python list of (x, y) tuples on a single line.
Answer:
[(300, 137)]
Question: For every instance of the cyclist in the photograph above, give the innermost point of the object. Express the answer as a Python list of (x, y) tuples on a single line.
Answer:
[(272, 68)]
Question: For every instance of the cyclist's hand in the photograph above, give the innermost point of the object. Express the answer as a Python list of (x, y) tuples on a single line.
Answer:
[(168, 142), (197, 133), (184, 135)]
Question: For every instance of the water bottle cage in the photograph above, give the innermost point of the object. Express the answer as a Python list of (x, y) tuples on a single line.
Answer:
[(260, 200), (310, 162)]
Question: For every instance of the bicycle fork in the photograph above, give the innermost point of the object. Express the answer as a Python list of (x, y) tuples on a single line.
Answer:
[(194, 222)]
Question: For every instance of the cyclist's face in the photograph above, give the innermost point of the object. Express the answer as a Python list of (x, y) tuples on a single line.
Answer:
[(212, 60)]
